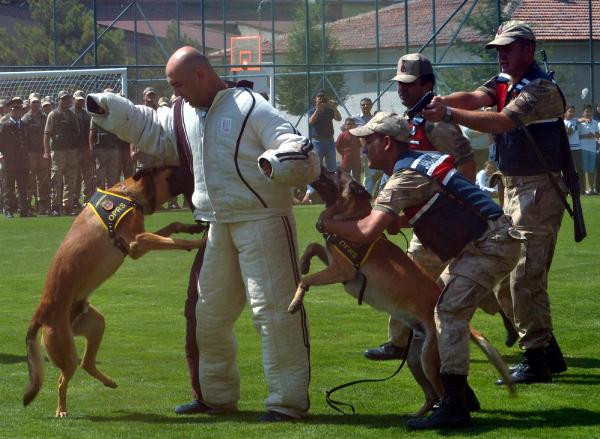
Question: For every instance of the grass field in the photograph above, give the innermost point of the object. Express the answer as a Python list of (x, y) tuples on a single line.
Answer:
[(143, 351)]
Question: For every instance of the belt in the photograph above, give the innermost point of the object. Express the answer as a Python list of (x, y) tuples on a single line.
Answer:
[(517, 180)]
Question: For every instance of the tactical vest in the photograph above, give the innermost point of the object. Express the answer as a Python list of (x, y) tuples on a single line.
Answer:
[(418, 140), (65, 130), (513, 152), (453, 217)]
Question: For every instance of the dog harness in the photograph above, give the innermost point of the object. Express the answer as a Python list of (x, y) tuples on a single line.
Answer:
[(111, 208)]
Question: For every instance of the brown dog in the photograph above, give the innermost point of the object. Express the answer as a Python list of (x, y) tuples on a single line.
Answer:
[(390, 281), (86, 258)]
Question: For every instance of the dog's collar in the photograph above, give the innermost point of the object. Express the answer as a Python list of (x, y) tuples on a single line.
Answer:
[(111, 208)]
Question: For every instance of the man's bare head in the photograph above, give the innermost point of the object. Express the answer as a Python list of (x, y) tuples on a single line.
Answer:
[(193, 78)]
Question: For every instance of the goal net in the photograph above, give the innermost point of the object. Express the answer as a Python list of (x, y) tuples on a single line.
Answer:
[(49, 83)]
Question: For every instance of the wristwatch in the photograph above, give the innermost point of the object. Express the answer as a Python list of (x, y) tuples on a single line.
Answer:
[(448, 116)]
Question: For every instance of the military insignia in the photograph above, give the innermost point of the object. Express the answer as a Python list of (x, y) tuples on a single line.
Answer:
[(413, 130), (107, 205), (384, 196)]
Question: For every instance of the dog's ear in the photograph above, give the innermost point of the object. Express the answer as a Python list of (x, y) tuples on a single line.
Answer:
[(359, 190)]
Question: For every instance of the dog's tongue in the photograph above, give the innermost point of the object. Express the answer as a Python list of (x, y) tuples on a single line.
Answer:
[(326, 186)]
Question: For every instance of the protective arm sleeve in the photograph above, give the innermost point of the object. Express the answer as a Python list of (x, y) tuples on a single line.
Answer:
[(293, 159), (149, 130)]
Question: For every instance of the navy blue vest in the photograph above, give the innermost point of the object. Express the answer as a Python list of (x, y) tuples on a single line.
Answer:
[(513, 152), (453, 217)]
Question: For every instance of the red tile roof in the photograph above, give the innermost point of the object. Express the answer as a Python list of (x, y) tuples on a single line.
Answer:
[(550, 19), (560, 20)]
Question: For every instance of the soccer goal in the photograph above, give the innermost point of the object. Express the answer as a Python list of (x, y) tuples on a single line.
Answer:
[(50, 82)]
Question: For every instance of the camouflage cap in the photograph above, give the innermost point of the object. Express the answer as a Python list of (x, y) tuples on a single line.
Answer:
[(47, 101), (63, 94), (389, 124), (26, 103), (79, 94), (16, 101), (149, 90), (164, 102), (509, 32), (173, 99), (108, 90), (34, 97), (411, 66)]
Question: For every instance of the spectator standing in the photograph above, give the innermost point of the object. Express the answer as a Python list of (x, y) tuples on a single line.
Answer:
[(572, 127), (348, 146), (589, 132), (60, 144), (372, 176), (47, 105), (320, 121), (87, 167), (14, 148), (483, 177), (39, 181)]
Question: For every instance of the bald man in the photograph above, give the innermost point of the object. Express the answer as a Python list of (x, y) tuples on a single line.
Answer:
[(251, 249)]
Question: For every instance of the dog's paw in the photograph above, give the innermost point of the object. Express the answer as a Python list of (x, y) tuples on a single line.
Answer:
[(61, 413), (110, 383)]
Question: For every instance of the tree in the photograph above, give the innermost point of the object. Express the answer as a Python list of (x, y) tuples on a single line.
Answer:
[(291, 90), (27, 45)]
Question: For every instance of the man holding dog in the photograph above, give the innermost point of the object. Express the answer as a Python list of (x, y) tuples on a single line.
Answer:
[(415, 79), (528, 103), (455, 219), (251, 246)]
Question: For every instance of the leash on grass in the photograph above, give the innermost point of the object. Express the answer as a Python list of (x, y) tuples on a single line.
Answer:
[(334, 404)]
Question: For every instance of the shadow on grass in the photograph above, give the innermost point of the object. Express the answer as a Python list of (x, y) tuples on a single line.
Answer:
[(12, 359), (519, 420)]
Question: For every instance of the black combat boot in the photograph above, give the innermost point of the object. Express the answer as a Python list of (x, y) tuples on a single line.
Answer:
[(533, 368), (452, 412), (554, 357)]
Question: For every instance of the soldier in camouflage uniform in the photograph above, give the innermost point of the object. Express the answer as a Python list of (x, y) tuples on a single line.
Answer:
[(87, 166), (13, 148), (415, 78), (39, 181), (453, 218), (525, 96), (60, 144)]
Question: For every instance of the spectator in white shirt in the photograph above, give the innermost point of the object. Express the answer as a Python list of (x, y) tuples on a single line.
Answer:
[(482, 179), (589, 131)]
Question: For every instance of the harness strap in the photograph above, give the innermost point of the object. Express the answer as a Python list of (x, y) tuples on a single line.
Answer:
[(333, 403)]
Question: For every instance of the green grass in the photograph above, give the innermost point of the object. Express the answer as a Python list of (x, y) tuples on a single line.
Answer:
[(143, 351)]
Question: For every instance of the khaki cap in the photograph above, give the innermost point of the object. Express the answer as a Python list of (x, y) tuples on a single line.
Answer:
[(173, 99), (108, 90), (15, 101), (509, 32), (79, 94), (389, 124), (149, 90), (63, 94), (164, 102), (34, 97), (411, 66)]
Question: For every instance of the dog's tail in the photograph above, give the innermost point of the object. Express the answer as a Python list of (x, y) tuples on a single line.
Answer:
[(34, 363), (494, 357)]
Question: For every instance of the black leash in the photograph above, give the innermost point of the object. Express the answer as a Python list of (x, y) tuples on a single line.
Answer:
[(333, 403)]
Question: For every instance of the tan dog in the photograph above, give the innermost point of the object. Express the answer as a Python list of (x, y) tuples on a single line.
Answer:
[(394, 284), (86, 258)]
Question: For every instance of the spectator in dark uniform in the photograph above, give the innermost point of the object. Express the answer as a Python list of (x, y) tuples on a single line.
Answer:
[(16, 162), (87, 167)]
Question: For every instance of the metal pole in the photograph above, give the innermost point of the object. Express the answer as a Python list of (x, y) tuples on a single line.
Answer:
[(433, 30), (135, 45), (177, 12), (307, 54), (272, 85), (203, 31), (54, 31), (323, 39), (95, 34), (377, 54), (498, 13), (591, 51), (406, 26), (224, 35)]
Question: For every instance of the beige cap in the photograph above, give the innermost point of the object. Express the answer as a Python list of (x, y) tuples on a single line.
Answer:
[(79, 94), (108, 90), (149, 90), (63, 94), (173, 99), (164, 102), (411, 66), (389, 124), (509, 32), (34, 97)]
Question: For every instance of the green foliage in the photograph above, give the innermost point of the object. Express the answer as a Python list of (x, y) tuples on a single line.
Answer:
[(292, 94), (142, 350), (74, 33)]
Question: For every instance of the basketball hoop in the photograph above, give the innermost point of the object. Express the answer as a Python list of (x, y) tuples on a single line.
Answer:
[(245, 53)]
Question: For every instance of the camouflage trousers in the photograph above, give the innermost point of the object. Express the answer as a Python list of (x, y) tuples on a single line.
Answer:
[(39, 180), (107, 167), (63, 179), (86, 180), (537, 212), (398, 331), (14, 189), (466, 281)]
